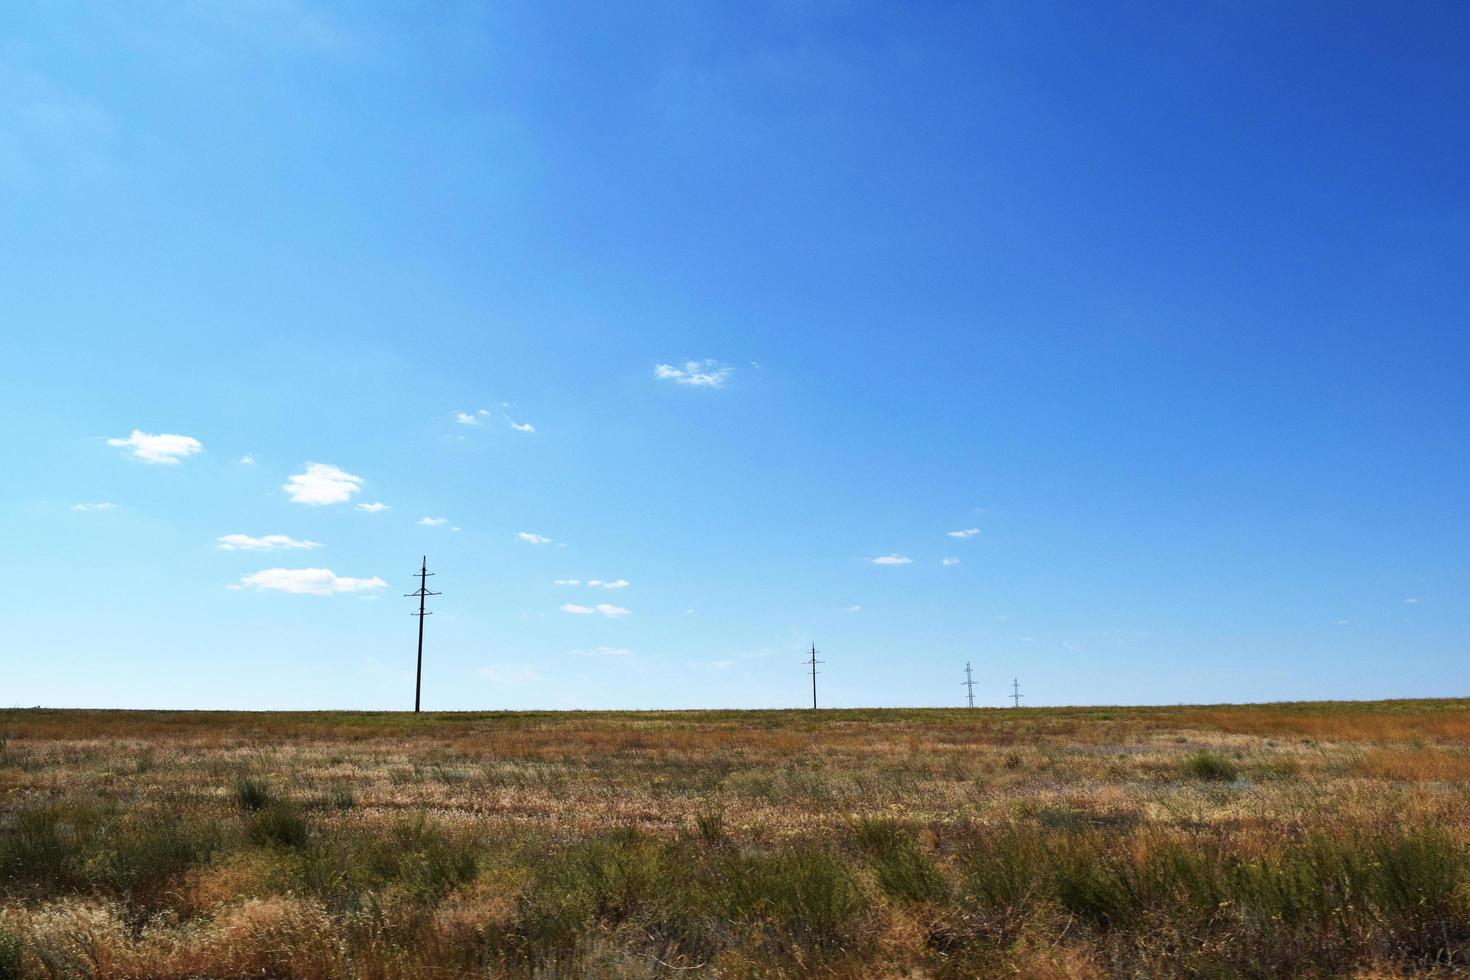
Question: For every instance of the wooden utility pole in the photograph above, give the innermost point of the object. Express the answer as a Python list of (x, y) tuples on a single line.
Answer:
[(423, 593)]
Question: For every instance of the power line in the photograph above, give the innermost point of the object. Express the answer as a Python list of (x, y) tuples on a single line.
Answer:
[(969, 685), (422, 592), (1015, 693), (813, 663)]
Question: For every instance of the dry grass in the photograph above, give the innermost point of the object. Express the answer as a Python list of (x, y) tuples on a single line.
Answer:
[(1273, 840)]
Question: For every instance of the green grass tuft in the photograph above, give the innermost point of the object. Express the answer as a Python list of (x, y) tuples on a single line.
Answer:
[(11, 953), (278, 825), (1211, 767), (253, 794)]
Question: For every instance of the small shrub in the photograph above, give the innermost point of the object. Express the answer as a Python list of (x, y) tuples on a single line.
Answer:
[(1211, 767)]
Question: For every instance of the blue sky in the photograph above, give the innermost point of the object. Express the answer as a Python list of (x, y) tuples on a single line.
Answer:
[(1136, 334)]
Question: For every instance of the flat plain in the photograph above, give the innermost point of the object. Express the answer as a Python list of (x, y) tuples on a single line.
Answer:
[(1326, 839)]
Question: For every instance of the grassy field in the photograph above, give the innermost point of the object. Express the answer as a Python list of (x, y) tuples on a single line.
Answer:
[(1264, 841)]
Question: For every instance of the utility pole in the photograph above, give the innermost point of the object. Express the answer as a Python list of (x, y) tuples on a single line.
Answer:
[(813, 663), (1015, 692), (969, 685), (423, 592)]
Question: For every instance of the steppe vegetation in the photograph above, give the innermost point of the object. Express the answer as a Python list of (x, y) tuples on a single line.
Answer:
[(1263, 841)]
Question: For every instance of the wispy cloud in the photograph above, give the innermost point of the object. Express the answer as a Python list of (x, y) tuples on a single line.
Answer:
[(373, 508), (46, 131), (606, 609), (854, 608), (1412, 600), (322, 483), (522, 426), (247, 460), (600, 652), (309, 581), (432, 521), (465, 418), (707, 373), (531, 538), (621, 583), (269, 542), (101, 505), (161, 448), (949, 562), (968, 532), (566, 581), (891, 560)]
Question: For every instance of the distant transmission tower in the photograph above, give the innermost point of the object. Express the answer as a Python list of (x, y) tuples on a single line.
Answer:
[(969, 685), (423, 592), (813, 664), (1015, 693)]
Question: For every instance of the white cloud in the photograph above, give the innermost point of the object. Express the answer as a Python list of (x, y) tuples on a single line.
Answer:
[(247, 459), (621, 583), (854, 608), (509, 674), (707, 373), (601, 652), (891, 560), (968, 532), (432, 521), (372, 508), (530, 538), (484, 412), (465, 418), (161, 448), (947, 562), (610, 611), (103, 505), (522, 426), (566, 581), (270, 542), (322, 484), (1411, 600), (309, 581)]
